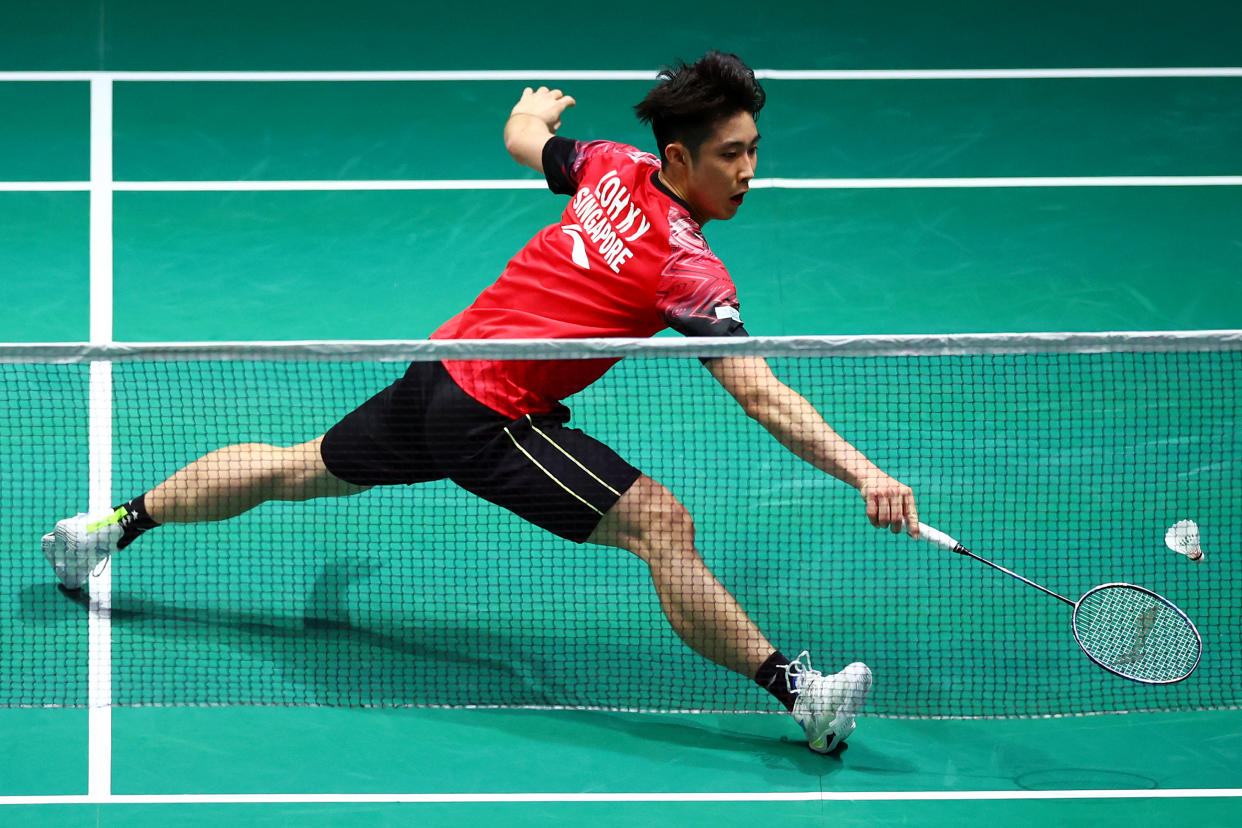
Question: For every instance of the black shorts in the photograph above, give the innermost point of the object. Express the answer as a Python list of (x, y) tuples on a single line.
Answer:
[(424, 427)]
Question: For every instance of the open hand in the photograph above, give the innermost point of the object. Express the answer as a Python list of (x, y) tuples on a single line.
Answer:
[(545, 104)]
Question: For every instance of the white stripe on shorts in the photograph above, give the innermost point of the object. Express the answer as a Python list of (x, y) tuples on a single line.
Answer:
[(556, 446), (550, 475)]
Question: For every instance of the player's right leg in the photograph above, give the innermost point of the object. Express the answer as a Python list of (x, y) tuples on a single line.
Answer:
[(218, 486), (649, 522)]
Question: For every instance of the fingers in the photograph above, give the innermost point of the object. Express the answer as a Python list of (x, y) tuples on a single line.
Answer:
[(543, 96), (545, 104), (890, 505), (558, 101), (911, 514), (557, 98)]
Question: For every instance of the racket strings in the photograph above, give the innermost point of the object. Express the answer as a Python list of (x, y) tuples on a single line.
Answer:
[(1136, 634)]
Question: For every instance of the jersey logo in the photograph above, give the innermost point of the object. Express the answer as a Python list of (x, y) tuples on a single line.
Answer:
[(579, 253), (728, 312)]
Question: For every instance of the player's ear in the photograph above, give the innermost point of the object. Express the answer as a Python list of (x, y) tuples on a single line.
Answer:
[(678, 156)]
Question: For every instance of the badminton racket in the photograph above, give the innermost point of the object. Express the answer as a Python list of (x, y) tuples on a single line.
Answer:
[(1128, 630)]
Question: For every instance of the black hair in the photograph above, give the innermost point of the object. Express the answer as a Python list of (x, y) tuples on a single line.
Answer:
[(689, 101)]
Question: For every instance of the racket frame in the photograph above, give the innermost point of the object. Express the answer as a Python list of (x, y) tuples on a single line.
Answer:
[(1167, 604)]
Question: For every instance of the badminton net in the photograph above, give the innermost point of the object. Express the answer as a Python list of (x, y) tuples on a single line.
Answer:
[(428, 596)]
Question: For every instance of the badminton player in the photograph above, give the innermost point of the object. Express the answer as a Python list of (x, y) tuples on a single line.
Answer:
[(627, 258)]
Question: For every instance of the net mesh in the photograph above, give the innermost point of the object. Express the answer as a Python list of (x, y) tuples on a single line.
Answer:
[(1063, 463)]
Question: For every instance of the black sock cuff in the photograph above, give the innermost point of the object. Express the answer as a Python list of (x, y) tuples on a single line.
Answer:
[(772, 677), (136, 513), (135, 522)]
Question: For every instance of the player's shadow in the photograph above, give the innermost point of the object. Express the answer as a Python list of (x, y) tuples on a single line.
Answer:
[(174, 653), (166, 652), (760, 747)]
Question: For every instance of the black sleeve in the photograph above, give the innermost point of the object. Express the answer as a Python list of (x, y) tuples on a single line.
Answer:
[(558, 163), (706, 326), (701, 304)]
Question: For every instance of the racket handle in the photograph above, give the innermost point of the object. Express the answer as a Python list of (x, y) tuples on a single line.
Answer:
[(937, 538)]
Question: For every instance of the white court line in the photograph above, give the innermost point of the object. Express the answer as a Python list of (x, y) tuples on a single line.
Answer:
[(997, 74), (636, 796), (45, 186), (543, 75), (1013, 181), (262, 186), (99, 619), (535, 184)]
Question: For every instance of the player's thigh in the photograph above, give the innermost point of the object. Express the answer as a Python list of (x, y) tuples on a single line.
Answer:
[(307, 476), (384, 440)]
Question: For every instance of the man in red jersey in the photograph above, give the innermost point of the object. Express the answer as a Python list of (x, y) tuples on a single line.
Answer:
[(628, 258)]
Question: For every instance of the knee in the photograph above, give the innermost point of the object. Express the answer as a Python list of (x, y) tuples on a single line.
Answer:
[(670, 530), (659, 528)]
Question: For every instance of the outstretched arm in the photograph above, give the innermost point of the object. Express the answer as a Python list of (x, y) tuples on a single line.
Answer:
[(535, 118), (799, 427)]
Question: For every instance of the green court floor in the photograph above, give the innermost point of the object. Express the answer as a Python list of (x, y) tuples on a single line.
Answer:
[(1013, 763), (275, 265)]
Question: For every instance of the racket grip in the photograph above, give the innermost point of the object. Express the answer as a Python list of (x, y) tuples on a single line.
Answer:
[(937, 538)]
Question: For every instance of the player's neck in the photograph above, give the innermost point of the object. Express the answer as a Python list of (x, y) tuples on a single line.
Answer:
[(677, 188)]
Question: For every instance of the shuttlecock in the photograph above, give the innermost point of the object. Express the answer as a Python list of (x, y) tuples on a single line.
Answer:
[(1183, 538)]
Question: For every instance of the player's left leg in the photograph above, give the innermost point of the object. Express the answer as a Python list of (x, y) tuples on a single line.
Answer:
[(218, 486), (235, 479)]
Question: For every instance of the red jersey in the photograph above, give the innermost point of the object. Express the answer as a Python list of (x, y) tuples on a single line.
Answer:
[(626, 260)]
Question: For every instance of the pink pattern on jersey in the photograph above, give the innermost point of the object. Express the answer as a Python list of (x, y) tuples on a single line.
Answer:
[(587, 150), (694, 282)]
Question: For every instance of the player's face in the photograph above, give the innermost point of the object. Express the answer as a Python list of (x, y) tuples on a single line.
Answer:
[(720, 177)]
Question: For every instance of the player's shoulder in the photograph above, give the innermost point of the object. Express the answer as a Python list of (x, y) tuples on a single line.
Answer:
[(588, 150)]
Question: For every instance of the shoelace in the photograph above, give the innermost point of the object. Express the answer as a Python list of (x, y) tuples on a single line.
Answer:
[(104, 557), (99, 567), (800, 666)]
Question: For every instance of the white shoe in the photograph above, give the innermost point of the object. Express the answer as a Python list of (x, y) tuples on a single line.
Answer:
[(826, 705), (78, 545)]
